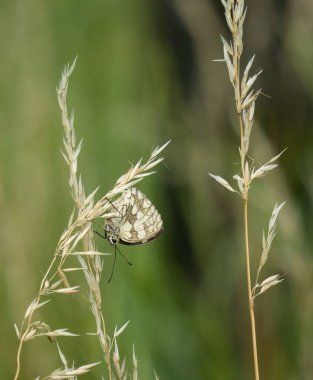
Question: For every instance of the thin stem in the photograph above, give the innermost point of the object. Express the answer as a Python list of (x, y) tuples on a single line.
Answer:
[(251, 304), (18, 360), (246, 179), (242, 157), (246, 227), (235, 14), (107, 352), (29, 321), (88, 244)]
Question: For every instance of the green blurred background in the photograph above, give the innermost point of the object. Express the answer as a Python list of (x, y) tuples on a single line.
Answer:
[(144, 76)]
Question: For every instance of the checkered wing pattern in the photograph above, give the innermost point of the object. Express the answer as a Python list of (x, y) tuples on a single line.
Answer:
[(139, 220)]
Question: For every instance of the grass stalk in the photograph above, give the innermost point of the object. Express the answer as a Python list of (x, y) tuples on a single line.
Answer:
[(245, 98), (78, 233), (238, 98), (250, 299)]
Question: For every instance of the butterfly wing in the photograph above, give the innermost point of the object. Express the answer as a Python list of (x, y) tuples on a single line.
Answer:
[(141, 221)]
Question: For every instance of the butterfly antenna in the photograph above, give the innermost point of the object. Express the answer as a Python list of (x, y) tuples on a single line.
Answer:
[(98, 233), (128, 262), (113, 265), (98, 224), (113, 206)]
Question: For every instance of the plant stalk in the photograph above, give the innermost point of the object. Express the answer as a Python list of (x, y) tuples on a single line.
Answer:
[(236, 61), (251, 304)]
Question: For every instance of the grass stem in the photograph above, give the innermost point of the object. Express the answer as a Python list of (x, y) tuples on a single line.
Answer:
[(251, 303)]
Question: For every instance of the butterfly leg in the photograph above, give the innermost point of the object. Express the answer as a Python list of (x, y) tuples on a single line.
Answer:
[(113, 265), (128, 262)]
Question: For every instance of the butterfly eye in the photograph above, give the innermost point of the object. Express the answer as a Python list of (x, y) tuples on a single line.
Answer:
[(113, 240)]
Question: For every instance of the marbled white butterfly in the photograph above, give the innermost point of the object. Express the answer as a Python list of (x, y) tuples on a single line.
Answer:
[(137, 220)]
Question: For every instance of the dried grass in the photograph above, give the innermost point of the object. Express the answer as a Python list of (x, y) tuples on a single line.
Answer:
[(78, 233)]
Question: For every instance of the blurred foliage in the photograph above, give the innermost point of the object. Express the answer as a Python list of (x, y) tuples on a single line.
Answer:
[(145, 75)]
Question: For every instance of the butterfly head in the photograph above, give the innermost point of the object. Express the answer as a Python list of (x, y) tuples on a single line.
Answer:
[(112, 233)]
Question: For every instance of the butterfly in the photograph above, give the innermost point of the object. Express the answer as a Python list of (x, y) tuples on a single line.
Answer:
[(137, 221)]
